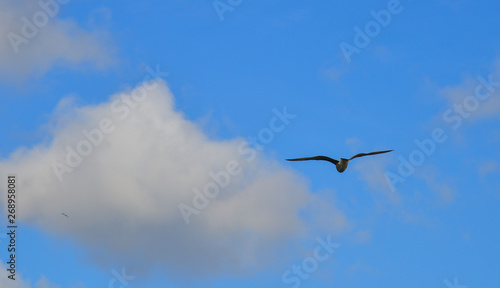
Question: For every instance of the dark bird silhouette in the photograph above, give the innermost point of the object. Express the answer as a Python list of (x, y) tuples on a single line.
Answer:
[(65, 215), (342, 164)]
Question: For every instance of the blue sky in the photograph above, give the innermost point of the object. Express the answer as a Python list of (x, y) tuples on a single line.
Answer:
[(198, 103)]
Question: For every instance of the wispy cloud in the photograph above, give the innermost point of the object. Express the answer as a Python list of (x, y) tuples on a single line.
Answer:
[(475, 98), (373, 172), (19, 282), (363, 236), (487, 167), (442, 189)]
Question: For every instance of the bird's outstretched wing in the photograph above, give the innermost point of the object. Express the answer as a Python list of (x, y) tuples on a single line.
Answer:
[(371, 153), (315, 158)]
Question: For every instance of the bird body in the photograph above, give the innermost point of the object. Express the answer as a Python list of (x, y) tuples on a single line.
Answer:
[(340, 165)]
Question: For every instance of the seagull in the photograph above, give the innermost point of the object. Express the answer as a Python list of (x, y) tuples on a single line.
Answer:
[(342, 164), (65, 215)]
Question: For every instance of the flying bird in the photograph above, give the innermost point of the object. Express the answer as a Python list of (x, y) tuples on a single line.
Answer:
[(342, 164), (65, 215)]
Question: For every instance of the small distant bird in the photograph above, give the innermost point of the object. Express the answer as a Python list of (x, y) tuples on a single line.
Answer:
[(65, 215), (342, 164)]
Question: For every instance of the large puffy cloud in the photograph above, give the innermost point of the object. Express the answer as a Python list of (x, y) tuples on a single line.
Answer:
[(123, 198), (33, 39)]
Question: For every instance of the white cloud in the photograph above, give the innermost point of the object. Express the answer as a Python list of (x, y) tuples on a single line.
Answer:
[(8, 283), (19, 282), (475, 98), (33, 40), (441, 188), (372, 171), (122, 200)]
